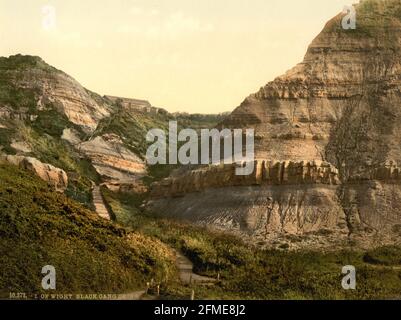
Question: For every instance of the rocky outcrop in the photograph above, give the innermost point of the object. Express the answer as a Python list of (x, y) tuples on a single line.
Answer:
[(48, 86), (300, 216), (112, 160), (295, 217), (53, 104), (265, 173), (71, 136), (271, 173), (345, 77), (289, 204), (340, 105), (54, 176)]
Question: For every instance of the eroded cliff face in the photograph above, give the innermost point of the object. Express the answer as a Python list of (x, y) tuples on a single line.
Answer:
[(37, 98), (112, 160), (47, 87), (288, 204), (294, 115), (340, 106), (271, 173)]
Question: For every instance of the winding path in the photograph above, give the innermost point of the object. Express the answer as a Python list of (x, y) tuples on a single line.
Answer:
[(185, 269), (99, 203), (184, 265)]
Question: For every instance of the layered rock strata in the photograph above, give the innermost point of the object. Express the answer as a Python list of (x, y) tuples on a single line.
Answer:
[(265, 173), (112, 160), (340, 106)]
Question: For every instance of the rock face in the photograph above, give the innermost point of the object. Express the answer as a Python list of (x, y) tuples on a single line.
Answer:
[(47, 103), (49, 86), (52, 175), (340, 107), (294, 116), (265, 173), (112, 160)]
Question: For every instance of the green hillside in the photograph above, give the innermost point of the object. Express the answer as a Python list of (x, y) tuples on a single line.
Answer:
[(39, 227)]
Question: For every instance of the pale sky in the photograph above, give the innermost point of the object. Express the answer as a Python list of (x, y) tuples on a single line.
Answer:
[(201, 56)]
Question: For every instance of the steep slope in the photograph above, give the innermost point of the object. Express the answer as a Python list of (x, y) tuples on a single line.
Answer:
[(28, 86), (39, 227), (343, 69), (340, 106), (47, 115)]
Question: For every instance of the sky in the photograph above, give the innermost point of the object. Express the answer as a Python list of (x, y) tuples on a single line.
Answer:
[(197, 56)]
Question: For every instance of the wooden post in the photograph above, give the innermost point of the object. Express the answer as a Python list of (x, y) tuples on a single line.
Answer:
[(218, 276), (147, 287), (193, 295), (158, 290)]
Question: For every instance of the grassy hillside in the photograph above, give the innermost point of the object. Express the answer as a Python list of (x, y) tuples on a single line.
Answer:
[(133, 125), (248, 272), (39, 227)]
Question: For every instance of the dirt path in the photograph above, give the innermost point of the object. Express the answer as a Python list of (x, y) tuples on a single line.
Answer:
[(185, 269), (102, 211), (186, 274), (184, 265), (99, 203)]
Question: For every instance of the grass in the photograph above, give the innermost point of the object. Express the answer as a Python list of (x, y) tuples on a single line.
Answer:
[(53, 150), (248, 272), (133, 126), (6, 135), (22, 62), (16, 97), (40, 227)]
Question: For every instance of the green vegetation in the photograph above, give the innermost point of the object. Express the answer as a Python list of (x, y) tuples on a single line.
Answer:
[(386, 256), (6, 135), (248, 272), (52, 123), (40, 227), (198, 121), (376, 19), (53, 150), (43, 135), (133, 127), (22, 62), (23, 99)]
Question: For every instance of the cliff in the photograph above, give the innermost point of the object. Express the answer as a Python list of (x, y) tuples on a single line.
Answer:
[(265, 173), (39, 87), (47, 116), (330, 131), (347, 77)]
